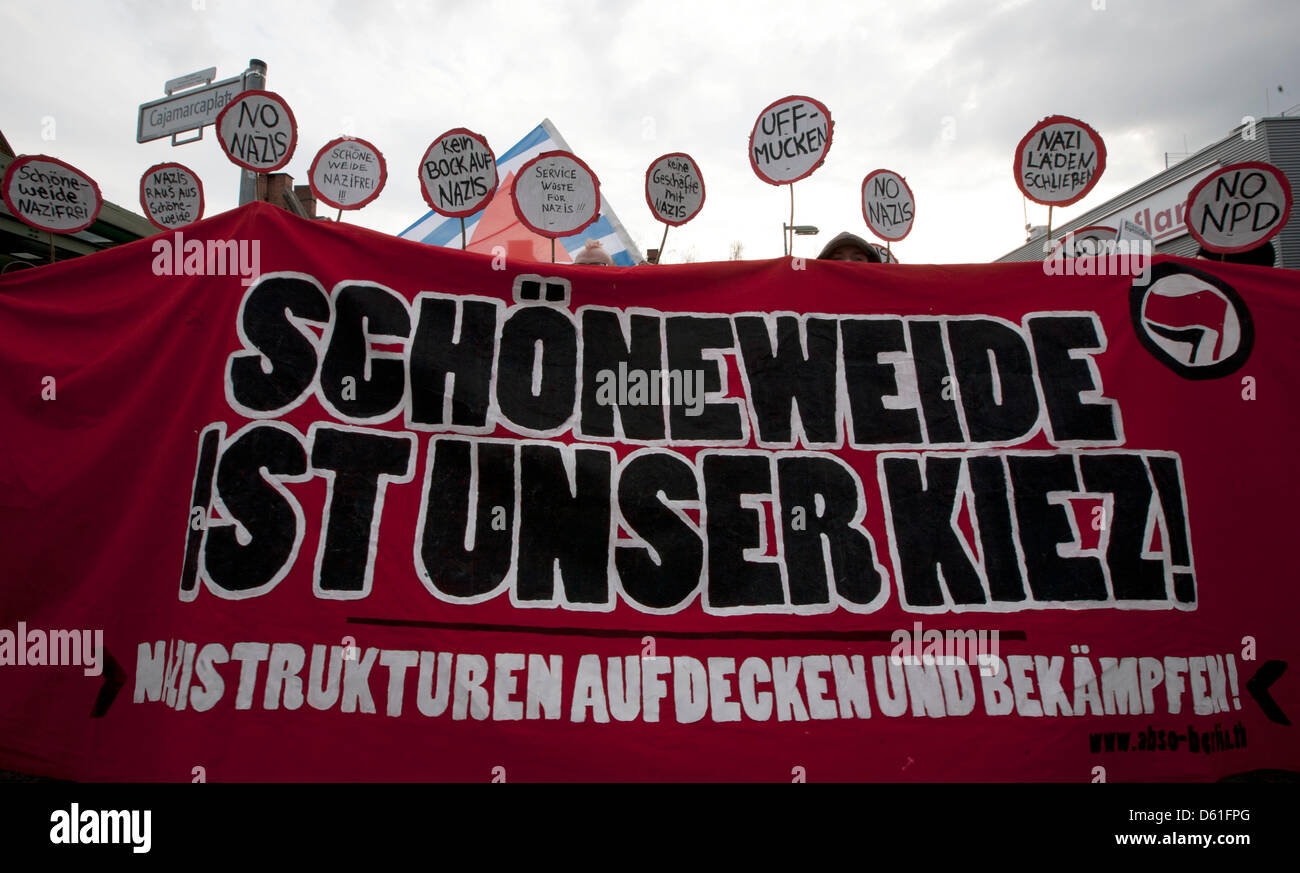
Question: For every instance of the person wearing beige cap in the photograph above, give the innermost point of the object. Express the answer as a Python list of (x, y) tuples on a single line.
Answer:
[(847, 247), (594, 253)]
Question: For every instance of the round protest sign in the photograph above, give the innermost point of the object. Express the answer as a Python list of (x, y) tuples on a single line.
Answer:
[(1239, 207), (556, 194), (49, 195), (888, 205), (257, 131), (347, 173), (458, 173), (171, 196), (1087, 241), (674, 188), (790, 139), (1059, 161)]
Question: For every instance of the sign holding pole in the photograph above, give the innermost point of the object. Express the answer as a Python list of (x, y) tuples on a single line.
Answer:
[(789, 141)]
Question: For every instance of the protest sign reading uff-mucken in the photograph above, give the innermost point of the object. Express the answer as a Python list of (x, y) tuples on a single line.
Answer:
[(556, 194), (49, 195), (458, 173), (258, 131), (674, 188), (171, 196), (1059, 161), (790, 139), (888, 205), (348, 173), (1239, 207)]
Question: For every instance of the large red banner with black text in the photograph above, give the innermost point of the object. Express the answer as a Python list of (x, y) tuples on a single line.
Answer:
[(290, 500)]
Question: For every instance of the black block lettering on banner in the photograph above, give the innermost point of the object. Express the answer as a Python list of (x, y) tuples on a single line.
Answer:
[(537, 375), (358, 383), (359, 465), (831, 505), (732, 528), (455, 338), (604, 347), (787, 382), (870, 380), (470, 487), (564, 523), (988, 480), (264, 325), (200, 503), (995, 378), (924, 492), (665, 571), (1168, 479), (1124, 476), (1044, 526), (687, 337), (1064, 378), (270, 516), (942, 421)]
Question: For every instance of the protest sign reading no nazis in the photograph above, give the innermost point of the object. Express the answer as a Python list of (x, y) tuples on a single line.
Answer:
[(258, 131)]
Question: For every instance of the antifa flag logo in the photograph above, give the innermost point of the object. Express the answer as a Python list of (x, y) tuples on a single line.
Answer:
[(1192, 322)]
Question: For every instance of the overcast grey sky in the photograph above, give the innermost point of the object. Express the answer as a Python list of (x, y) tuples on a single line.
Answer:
[(938, 91)]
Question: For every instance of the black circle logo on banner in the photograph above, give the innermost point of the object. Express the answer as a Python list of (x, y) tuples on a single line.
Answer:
[(1194, 323)]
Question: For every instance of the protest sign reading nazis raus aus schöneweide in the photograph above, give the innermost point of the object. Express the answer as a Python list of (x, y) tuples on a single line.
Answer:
[(171, 196)]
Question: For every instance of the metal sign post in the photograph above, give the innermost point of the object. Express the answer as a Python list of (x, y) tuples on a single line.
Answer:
[(187, 107)]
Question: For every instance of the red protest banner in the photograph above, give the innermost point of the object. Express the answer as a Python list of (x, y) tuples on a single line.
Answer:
[(969, 523)]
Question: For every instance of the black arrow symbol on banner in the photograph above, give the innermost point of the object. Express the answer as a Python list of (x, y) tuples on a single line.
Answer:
[(115, 678), (1258, 684)]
